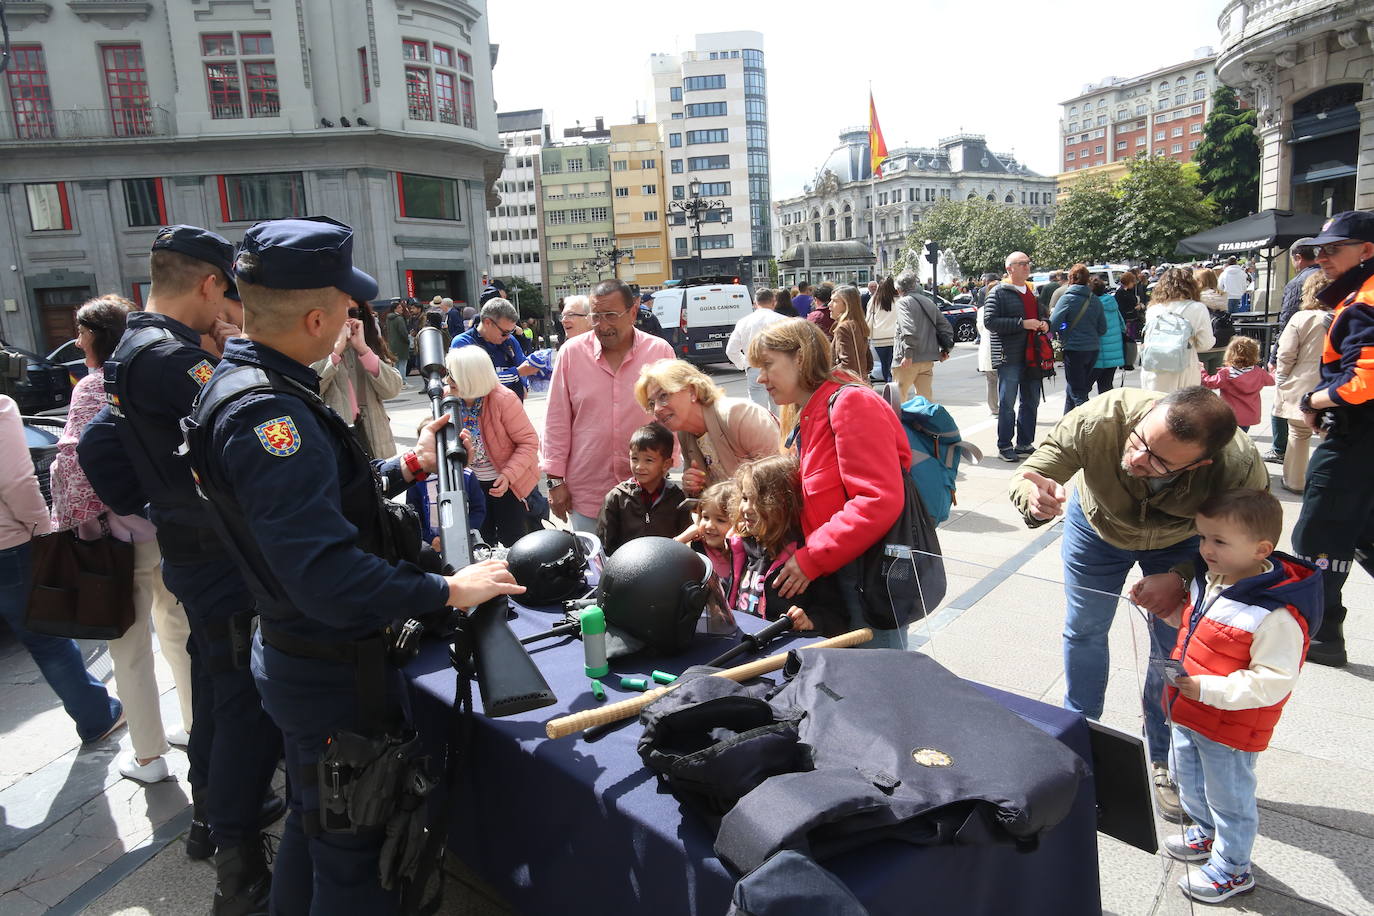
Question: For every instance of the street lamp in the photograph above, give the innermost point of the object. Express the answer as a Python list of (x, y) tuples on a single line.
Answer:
[(612, 255), (693, 207)]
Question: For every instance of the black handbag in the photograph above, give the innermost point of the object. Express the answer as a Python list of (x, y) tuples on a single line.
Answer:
[(901, 575), (81, 589)]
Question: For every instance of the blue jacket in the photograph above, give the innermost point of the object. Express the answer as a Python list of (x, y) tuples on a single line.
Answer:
[(1089, 329), (1111, 351), (505, 356)]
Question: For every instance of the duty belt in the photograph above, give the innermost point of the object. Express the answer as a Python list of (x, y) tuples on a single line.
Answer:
[(367, 655)]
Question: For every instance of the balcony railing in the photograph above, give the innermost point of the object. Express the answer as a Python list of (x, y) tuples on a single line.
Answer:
[(45, 125)]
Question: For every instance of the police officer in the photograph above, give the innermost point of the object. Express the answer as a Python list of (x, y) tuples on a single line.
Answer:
[(1337, 515), (151, 381), (302, 506)]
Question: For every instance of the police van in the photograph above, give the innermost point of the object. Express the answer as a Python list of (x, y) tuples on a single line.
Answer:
[(705, 311)]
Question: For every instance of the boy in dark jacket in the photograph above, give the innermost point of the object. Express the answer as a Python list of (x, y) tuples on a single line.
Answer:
[(648, 503), (1241, 642)]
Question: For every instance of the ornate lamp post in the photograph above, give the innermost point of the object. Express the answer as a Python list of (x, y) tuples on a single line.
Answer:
[(694, 206)]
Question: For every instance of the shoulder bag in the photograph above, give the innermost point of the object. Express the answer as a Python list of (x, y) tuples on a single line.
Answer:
[(81, 589)]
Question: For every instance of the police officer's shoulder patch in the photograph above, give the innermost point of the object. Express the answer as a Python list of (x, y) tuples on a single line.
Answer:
[(201, 372), (279, 437)]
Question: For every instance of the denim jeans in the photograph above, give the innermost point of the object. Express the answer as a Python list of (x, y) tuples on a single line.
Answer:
[(1232, 306), (1013, 382), (83, 697), (885, 361), (1092, 563), (1078, 377), (1216, 786)]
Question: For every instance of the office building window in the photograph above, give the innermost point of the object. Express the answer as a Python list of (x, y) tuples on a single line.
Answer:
[(126, 86), (469, 99), (619, 165), (708, 136), (676, 166), (433, 82), (694, 83), (680, 247), (622, 192), (143, 202), (255, 71), (706, 110), (362, 72), (575, 165), (717, 241), (419, 94), (650, 188), (600, 214), (675, 94), (558, 217), (704, 163), (648, 163), (651, 216), (715, 188), (1097, 149), (48, 208), (30, 95), (1140, 141), (426, 197), (1121, 144), (1159, 135), (1070, 156), (275, 195), (1176, 132), (1177, 148), (675, 140)]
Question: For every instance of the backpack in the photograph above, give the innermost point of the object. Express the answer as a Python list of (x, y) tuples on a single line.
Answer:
[(1039, 355), (1168, 343), (1223, 328), (936, 451)]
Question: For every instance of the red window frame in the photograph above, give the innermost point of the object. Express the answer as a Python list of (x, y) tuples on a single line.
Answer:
[(30, 93), (220, 40), (362, 69), (414, 50), (419, 94), (469, 102), (464, 62), (228, 97), (260, 83), (401, 192), (159, 196), (444, 96), (447, 53), (61, 202), (126, 86), (261, 44)]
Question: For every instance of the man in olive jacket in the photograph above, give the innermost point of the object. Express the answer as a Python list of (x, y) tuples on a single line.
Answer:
[(1147, 461)]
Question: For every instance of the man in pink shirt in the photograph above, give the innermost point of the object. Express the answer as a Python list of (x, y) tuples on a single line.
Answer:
[(592, 407)]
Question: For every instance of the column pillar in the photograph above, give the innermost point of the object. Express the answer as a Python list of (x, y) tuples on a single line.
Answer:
[(1364, 161)]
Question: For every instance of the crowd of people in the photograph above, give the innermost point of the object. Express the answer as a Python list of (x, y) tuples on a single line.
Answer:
[(783, 490)]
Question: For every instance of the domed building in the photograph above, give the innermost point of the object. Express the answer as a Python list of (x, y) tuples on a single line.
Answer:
[(846, 206)]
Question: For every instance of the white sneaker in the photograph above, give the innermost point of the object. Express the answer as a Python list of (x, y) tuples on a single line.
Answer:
[(179, 738), (148, 773)]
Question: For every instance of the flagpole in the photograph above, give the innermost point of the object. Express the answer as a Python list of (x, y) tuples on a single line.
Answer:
[(872, 189)]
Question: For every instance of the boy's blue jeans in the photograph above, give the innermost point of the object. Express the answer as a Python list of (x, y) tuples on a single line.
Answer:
[(1092, 566), (1216, 786)]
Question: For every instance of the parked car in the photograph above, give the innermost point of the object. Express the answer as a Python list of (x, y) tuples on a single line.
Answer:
[(962, 316), (41, 435), (713, 307), (48, 380)]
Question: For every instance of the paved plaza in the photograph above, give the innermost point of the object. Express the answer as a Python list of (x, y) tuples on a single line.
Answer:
[(77, 838)]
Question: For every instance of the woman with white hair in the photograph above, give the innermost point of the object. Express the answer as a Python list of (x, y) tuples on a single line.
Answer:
[(504, 455)]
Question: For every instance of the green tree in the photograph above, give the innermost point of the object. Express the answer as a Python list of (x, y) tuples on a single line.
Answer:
[(1228, 158), (1082, 226), (980, 232), (1158, 203), (531, 298)]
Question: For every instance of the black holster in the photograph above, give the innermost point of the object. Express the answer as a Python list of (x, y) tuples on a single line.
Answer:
[(236, 632), (361, 779)]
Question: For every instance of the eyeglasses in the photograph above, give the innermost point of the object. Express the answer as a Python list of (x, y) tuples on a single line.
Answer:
[(1156, 464), (566, 315), (608, 317), (661, 399), (505, 332), (1329, 249)]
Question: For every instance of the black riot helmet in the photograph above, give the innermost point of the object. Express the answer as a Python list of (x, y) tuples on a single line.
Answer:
[(551, 564), (654, 590)]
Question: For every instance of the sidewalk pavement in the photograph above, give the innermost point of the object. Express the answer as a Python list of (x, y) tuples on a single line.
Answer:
[(76, 838)]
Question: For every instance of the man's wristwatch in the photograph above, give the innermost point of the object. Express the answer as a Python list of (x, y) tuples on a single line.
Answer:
[(555, 482), (1305, 405), (412, 463)]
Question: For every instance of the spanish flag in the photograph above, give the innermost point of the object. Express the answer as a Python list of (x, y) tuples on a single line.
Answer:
[(877, 147)]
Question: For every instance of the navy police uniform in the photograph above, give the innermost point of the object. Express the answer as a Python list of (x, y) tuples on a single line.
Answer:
[(129, 451), (302, 508)]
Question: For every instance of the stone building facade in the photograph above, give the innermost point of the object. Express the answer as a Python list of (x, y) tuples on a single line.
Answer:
[(118, 118)]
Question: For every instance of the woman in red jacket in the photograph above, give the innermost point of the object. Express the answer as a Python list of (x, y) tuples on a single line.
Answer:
[(853, 454)]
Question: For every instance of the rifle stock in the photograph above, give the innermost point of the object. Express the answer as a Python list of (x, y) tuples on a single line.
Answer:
[(507, 677)]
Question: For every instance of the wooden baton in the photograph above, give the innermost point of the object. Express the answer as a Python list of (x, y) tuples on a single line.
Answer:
[(578, 721)]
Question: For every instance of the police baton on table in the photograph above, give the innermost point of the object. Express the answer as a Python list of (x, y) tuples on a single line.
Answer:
[(507, 677), (578, 721)]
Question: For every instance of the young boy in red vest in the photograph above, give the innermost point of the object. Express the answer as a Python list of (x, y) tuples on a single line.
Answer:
[(1241, 640)]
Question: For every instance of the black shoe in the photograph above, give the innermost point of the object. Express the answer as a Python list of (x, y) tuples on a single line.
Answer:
[(273, 807), (1273, 456), (1009, 455), (1330, 653), (199, 846), (243, 882), (1025, 450)]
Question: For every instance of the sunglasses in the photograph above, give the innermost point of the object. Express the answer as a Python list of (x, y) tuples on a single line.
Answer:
[(1329, 249)]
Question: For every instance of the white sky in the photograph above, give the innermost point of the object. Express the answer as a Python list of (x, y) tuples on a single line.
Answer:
[(995, 67)]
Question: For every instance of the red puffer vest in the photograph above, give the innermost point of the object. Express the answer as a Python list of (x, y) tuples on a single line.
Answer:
[(1218, 642)]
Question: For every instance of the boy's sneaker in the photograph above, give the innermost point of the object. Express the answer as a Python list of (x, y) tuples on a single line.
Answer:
[(1212, 885), (1190, 846)]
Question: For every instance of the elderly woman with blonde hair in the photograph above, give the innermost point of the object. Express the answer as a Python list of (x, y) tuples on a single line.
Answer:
[(504, 449), (716, 433)]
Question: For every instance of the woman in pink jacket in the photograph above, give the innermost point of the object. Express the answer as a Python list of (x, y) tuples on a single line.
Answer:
[(24, 516), (504, 454)]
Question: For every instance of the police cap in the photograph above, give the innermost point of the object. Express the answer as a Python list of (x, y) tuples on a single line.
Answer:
[(308, 253), (201, 244), (1352, 225)]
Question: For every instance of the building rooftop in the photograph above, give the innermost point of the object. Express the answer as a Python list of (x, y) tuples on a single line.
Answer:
[(531, 119), (1200, 56)]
